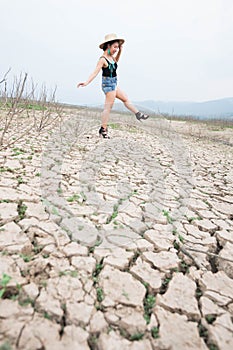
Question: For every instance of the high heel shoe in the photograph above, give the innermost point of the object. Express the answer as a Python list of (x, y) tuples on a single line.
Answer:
[(104, 133), (142, 116)]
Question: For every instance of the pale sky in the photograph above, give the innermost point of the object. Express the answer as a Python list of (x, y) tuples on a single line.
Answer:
[(175, 50)]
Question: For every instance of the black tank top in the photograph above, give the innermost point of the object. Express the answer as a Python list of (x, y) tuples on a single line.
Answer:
[(109, 71)]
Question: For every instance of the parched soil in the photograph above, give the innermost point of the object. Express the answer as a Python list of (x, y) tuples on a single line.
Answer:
[(120, 243)]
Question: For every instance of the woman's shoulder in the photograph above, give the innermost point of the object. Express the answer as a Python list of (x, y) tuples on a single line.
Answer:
[(102, 60)]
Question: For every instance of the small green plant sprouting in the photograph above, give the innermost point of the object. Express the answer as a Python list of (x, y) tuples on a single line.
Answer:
[(155, 332), (136, 336), (164, 286), (96, 244), (73, 198), (210, 318), (21, 209), (212, 347), (64, 307), (198, 292), (110, 329), (123, 333), (114, 214), (2, 170), (47, 316), (27, 301), (184, 267), (166, 213), (26, 258), (145, 284), (99, 290), (5, 252), (193, 218), (92, 341), (20, 180), (18, 151), (37, 248), (125, 294), (6, 346), (55, 211), (100, 294), (3, 283), (116, 224), (116, 206), (98, 268), (72, 273), (18, 286), (149, 303), (202, 331), (43, 283), (63, 273), (176, 245), (84, 197), (181, 238)]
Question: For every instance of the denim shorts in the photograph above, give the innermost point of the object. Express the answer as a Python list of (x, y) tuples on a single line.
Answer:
[(109, 84)]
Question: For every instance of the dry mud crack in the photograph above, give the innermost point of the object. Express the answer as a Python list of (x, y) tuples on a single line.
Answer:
[(123, 243)]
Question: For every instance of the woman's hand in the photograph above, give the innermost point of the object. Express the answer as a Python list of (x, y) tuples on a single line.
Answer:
[(81, 84), (94, 74), (119, 52)]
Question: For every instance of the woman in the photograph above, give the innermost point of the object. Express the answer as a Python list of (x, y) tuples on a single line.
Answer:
[(112, 47)]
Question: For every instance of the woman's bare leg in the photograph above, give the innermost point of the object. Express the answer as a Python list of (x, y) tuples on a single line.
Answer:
[(124, 98), (109, 100)]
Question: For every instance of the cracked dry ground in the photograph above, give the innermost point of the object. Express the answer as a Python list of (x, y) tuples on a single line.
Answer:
[(117, 244)]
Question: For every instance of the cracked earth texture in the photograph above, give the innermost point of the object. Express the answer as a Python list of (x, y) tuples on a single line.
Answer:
[(123, 243)]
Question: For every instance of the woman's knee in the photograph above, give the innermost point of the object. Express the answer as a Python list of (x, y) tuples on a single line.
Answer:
[(108, 105), (126, 100)]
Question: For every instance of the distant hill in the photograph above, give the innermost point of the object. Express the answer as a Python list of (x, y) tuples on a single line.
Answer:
[(222, 108)]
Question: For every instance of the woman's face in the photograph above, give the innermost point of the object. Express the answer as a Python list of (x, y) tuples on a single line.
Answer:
[(114, 48)]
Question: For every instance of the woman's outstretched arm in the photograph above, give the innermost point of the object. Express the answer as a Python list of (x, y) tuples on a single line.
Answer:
[(94, 74)]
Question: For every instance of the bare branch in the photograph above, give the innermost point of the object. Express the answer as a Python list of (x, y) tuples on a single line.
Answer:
[(209, 254), (4, 78), (184, 251)]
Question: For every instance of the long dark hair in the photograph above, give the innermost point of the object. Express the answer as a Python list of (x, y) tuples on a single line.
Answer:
[(109, 43)]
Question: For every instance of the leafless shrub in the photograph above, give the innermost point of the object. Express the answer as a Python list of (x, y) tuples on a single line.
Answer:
[(25, 109), (44, 109)]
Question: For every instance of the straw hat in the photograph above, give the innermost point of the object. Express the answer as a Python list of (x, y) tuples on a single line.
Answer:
[(110, 37)]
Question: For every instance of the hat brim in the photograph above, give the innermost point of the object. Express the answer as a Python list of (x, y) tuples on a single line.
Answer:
[(117, 39)]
